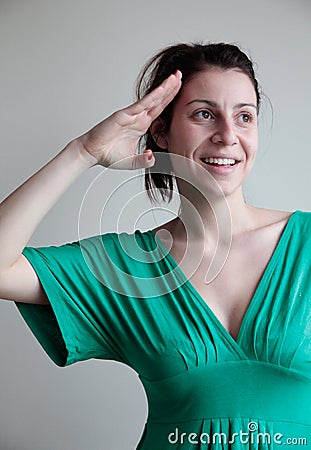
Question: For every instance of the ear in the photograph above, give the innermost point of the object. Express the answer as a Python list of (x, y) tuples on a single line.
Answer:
[(156, 130)]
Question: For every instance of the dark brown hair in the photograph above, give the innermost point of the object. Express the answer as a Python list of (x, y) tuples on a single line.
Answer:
[(189, 59)]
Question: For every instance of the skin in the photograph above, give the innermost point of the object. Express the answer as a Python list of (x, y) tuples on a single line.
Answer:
[(226, 129), (221, 127), (198, 129)]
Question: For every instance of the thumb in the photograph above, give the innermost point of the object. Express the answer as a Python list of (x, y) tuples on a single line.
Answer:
[(144, 160)]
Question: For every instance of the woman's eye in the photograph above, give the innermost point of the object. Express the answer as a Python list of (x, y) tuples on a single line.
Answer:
[(245, 118), (203, 114)]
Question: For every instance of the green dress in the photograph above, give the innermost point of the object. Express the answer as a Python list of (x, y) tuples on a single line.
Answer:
[(122, 297)]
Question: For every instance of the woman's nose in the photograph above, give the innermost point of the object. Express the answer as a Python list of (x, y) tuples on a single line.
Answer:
[(225, 133)]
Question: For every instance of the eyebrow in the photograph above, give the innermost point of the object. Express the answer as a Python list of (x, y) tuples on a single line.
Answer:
[(215, 105)]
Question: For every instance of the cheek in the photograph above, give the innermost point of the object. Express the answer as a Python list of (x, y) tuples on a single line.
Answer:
[(251, 142), (252, 148), (185, 140)]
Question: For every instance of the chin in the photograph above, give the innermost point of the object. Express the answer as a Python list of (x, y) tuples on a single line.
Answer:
[(220, 190)]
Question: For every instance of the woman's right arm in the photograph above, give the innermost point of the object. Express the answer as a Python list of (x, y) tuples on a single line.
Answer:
[(112, 142)]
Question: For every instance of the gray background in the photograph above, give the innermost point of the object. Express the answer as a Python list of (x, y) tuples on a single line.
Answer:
[(65, 65)]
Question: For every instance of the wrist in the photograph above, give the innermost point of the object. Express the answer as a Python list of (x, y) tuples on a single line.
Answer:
[(76, 147)]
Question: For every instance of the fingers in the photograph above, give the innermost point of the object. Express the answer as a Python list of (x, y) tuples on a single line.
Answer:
[(163, 94), (160, 97), (157, 109)]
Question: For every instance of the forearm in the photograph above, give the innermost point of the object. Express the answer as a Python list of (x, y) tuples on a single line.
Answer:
[(23, 210)]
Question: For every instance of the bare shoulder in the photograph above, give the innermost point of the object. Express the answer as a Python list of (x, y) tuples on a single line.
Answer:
[(169, 226), (267, 228), (270, 218)]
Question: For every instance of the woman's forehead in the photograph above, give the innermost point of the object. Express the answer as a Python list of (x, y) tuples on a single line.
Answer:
[(219, 83)]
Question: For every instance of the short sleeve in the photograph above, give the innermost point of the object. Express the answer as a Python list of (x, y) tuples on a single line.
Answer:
[(78, 324)]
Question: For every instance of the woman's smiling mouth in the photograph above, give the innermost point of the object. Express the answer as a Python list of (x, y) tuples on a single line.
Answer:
[(220, 165), (219, 161)]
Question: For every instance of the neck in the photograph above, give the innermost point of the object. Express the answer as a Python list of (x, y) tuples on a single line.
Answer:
[(207, 221)]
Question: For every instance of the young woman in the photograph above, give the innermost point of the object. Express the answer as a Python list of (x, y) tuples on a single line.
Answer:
[(224, 359)]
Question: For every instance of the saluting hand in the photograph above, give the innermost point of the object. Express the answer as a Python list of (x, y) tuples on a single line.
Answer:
[(114, 140)]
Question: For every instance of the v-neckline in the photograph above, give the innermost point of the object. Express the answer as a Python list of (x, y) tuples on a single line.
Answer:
[(268, 270)]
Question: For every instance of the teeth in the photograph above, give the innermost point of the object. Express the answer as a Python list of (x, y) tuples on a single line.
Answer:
[(220, 161)]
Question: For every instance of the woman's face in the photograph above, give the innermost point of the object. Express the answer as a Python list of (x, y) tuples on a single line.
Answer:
[(215, 116)]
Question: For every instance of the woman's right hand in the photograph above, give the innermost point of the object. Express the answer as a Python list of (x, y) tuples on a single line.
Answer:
[(113, 142)]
